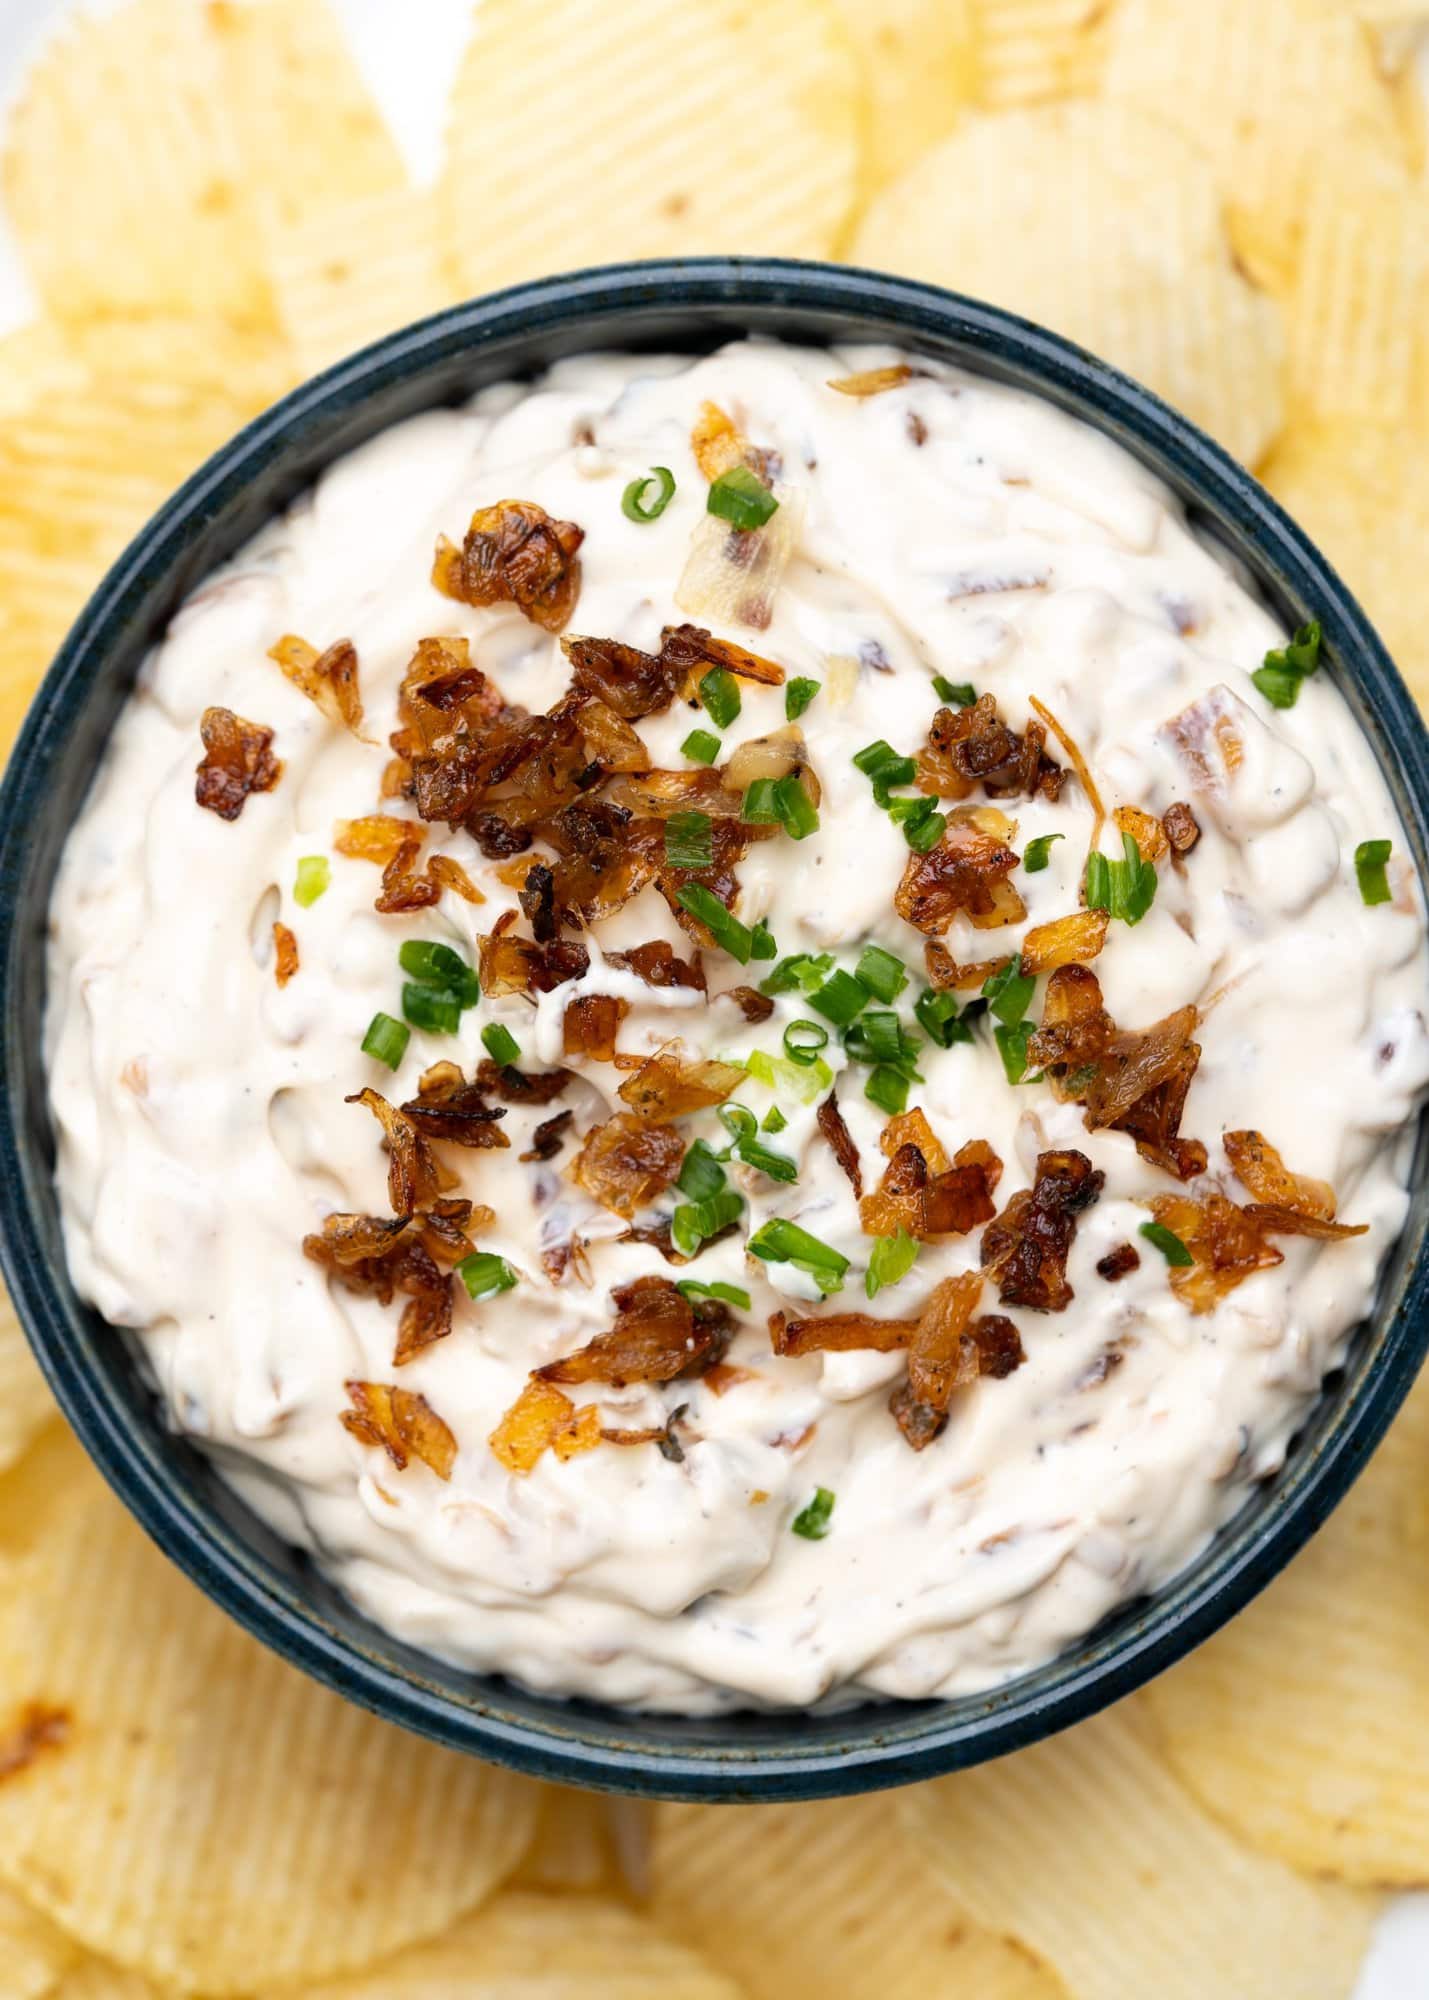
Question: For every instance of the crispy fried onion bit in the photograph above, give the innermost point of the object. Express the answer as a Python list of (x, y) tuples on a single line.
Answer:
[(925, 1192), (947, 1348), (328, 679), (1130, 1080), (395, 845), (965, 873), (968, 747), (626, 1162), (401, 1423), (1024, 1251), (514, 553), (1227, 1242), (237, 760)]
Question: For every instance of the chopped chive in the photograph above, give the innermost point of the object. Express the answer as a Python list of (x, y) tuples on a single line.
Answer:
[(840, 999), (881, 762), (887, 1088), (890, 1261), (937, 1015), (432, 1008), (701, 1174), (386, 1040), (877, 1037), (1168, 1243), (1009, 991), (884, 975), (1012, 1039), (803, 1040), (781, 1242), (634, 503), (1287, 667), (688, 842), (761, 805), (740, 497), (925, 831), (1370, 859), (695, 1222), (1037, 853), (500, 1044), (797, 696), (1125, 888), (812, 1522), (700, 747), (803, 970), (778, 1073), (314, 875), (738, 1120), (962, 693), (438, 965), (731, 1295), (721, 923), (761, 941), (797, 811), (484, 1273), (719, 694), (774, 1120)]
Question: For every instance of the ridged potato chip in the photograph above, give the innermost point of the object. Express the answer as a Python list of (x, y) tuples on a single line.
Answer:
[(1261, 87), (166, 361), (918, 58), (531, 1947), (36, 361), (345, 275), (1304, 1725), (1090, 1852), (587, 1841), (710, 126), (1031, 50), (93, 1979), (1103, 223), (26, 1405), (34, 1955), (833, 1899), (122, 175), (201, 1813)]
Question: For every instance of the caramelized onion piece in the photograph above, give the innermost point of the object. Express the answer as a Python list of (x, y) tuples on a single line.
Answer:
[(1227, 1245), (626, 1162), (542, 1419), (520, 965), (1078, 763), (670, 1084), (448, 1107), (872, 381), (1025, 1250), (285, 954), (1258, 1167), (1073, 940), (414, 1174), (968, 747), (609, 739), (401, 1423), (754, 1006), (516, 1086), (1118, 1262), (549, 1137), (591, 1023), (839, 1333), (831, 1124), (237, 761), (1180, 826), (660, 794), (691, 650), (946, 975), (929, 1203), (658, 965), (662, 1436), (378, 837), (328, 679), (966, 872), (942, 1358), (716, 441), (514, 553), (658, 1335), (911, 1128), (629, 682), (1145, 829)]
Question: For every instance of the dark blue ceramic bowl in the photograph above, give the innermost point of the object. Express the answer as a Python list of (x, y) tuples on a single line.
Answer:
[(175, 1492)]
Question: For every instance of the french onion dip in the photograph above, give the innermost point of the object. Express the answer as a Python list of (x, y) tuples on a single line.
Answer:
[(737, 1030)]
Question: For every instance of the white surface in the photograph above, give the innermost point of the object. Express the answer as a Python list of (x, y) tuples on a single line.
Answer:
[(408, 53)]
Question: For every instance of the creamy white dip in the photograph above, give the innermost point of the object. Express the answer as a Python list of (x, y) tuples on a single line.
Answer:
[(950, 527)]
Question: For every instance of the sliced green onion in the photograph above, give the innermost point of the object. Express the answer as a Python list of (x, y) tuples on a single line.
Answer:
[(688, 842), (803, 1040), (484, 1273), (881, 762), (695, 1222), (761, 803), (732, 1295), (722, 924), (1287, 667), (797, 696), (314, 875), (925, 831), (781, 1242), (1012, 1040), (802, 971), (1168, 1243), (1125, 888), (431, 1008), (719, 693), (439, 965), (1009, 991), (774, 1120), (840, 999), (777, 1073), (634, 503), (1037, 853), (740, 497), (500, 1044), (961, 693), (812, 1522), (890, 1261), (761, 941), (700, 747), (739, 1121), (797, 811), (701, 1174), (1370, 858), (884, 975), (888, 1089), (938, 1016), (386, 1039), (876, 1036)]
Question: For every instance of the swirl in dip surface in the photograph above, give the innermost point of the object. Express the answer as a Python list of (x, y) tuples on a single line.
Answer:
[(1082, 1419)]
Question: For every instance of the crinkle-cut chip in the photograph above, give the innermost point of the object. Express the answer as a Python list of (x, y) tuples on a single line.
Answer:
[(39, 1960), (972, 747), (833, 1899), (659, 1335), (122, 177), (1180, 1885), (1145, 829), (1070, 940), (543, 1419), (732, 575), (1032, 50), (26, 1405), (1226, 1243), (515, 553), (530, 1946), (1307, 1734), (329, 678), (285, 954), (1258, 1167), (919, 62), (97, 1979), (626, 1162), (402, 1423), (586, 1842), (184, 364), (652, 105), (37, 362), (232, 1783), (671, 1084), (590, 1025), (1024, 1252), (1203, 71), (237, 761), (1070, 196), (415, 1176), (965, 874)]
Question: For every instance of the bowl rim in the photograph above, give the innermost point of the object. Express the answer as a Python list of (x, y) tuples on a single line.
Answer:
[(881, 1751)]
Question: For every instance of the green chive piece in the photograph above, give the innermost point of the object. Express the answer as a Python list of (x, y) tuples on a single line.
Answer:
[(637, 503), (701, 1174), (740, 497), (881, 762), (719, 693), (1287, 667), (802, 971), (781, 1242), (812, 1522), (1009, 991), (386, 1040), (774, 1120), (803, 1040), (431, 1008), (738, 1120), (438, 965), (961, 693), (888, 1089), (761, 941), (723, 926), (1168, 1243), (761, 804), (1125, 888), (732, 1295), (938, 1016), (1037, 853), (1012, 1040), (884, 975), (840, 999), (700, 747), (797, 812), (500, 1044), (877, 1037), (484, 1274), (797, 696), (890, 1261), (688, 841), (1370, 858), (314, 875), (778, 1073), (695, 1222), (925, 832)]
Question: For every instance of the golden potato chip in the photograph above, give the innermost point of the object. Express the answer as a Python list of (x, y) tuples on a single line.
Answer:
[(1031, 50), (831, 1898), (36, 361), (1304, 1725), (26, 1405), (522, 1946), (1105, 224), (1087, 1850), (586, 1841), (34, 1955), (1241, 80), (918, 60), (95, 1979), (167, 361), (347, 274), (710, 126), (121, 174), (270, 1833)]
